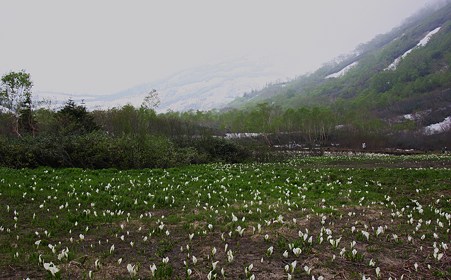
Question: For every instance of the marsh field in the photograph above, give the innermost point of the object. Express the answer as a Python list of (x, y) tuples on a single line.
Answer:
[(335, 217)]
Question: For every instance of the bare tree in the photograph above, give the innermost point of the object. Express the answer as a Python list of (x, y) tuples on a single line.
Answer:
[(151, 101)]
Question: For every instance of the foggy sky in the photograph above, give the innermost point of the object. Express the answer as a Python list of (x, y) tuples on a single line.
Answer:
[(102, 47)]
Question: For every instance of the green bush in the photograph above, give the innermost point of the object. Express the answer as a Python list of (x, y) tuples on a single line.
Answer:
[(17, 153), (93, 150), (100, 150), (215, 149)]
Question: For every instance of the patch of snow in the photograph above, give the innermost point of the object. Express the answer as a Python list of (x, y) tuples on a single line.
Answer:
[(410, 117), (343, 71), (395, 63), (241, 135), (426, 39), (440, 127), (414, 116), (423, 42)]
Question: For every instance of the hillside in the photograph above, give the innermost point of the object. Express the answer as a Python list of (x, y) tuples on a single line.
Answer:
[(199, 88), (402, 76), (393, 92)]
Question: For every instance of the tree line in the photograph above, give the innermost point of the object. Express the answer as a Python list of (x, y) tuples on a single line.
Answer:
[(124, 138), (130, 137)]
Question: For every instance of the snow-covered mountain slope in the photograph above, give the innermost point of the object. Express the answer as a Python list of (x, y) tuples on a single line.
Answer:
[(201, 88), (423, 42), (343, 71)]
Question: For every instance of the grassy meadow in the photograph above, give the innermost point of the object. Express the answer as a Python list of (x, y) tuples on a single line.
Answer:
[(330, 217)]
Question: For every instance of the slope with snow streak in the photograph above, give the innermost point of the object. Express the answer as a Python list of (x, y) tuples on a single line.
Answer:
[(427, 38), (440, 127), (343, 71), (423, 42)]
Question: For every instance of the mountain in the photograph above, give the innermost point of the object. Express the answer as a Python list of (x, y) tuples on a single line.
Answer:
[(209, 86), (201, 88), (405, 72)]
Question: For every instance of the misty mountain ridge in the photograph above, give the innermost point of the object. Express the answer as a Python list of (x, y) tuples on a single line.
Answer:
[(389, 75), (201, 88), (399, 73)]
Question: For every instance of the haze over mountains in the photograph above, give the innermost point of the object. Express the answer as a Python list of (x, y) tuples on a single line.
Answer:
[(243, 82), (202, 88), (401, 77)]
